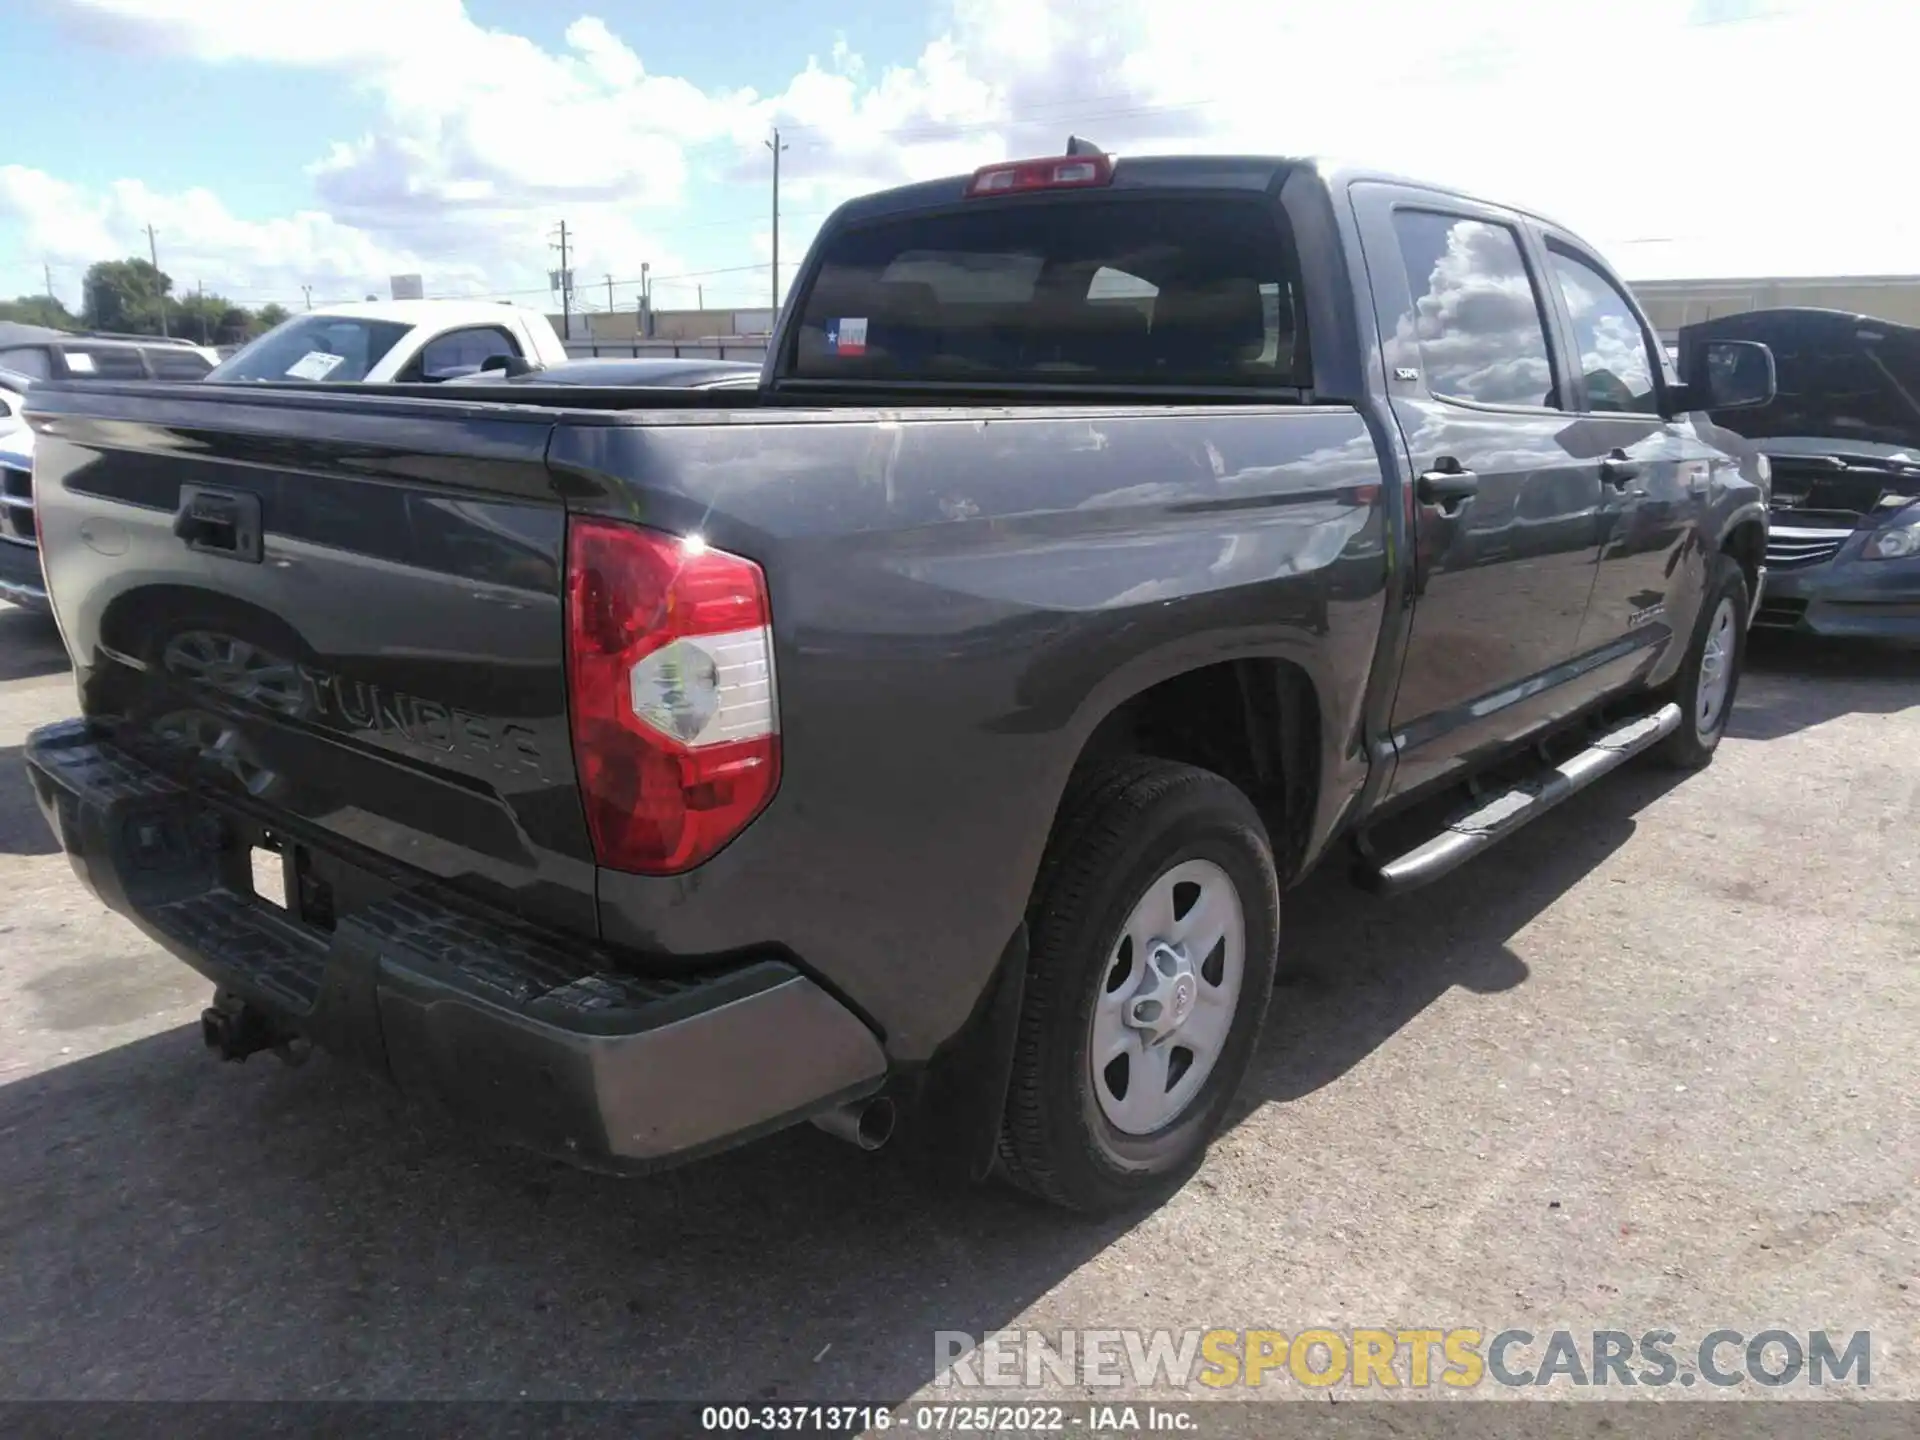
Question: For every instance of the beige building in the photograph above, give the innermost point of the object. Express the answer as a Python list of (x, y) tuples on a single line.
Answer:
[(623, 326), (1673, 303)]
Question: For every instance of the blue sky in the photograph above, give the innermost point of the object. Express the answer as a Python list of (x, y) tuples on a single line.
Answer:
[(276, 145), (119, 108)]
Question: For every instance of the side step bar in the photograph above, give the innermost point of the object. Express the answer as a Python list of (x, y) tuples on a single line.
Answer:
[(1507, 812)]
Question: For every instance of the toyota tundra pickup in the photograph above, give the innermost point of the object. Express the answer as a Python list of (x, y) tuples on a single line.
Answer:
[(931, 731)]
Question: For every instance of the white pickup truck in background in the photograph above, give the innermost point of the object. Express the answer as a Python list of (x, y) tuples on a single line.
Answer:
[(402, 341), (397, 341)]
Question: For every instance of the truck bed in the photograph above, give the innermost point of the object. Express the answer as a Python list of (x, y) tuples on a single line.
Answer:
[(995, 576)]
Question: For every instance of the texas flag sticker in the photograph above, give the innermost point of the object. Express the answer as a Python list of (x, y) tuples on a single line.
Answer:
[(847, 337)]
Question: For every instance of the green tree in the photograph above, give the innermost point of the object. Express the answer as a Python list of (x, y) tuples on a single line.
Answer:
[(196, 317), (210, 319), (269, 315), (125, 295), (236, 324), (38, 310)]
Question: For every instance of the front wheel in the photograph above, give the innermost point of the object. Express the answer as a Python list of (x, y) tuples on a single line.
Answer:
[(1154, 929), (1710, 675)]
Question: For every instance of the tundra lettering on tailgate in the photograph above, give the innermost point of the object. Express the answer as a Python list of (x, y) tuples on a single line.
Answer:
[(360, 705)]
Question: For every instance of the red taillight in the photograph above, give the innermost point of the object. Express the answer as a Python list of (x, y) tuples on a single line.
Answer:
[(670, 673), (1065, 172)]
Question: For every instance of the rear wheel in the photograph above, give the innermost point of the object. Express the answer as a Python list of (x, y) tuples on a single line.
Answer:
[(1154, 928), (1710, 675)]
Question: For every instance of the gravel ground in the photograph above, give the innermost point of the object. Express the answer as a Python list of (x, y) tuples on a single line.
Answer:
[(1650, 1068)]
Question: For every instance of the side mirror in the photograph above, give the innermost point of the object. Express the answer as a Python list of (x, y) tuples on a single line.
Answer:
[(508, 365), (1728, 375)]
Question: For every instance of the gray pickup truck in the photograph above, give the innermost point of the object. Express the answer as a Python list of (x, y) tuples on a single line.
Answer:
[(931, 732)]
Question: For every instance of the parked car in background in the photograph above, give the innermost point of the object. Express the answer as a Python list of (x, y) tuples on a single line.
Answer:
[(31, 355), (621, 371), (20, 578), (13, 392), (1842, 442), (396, 341), (935, 724), (42, 354)]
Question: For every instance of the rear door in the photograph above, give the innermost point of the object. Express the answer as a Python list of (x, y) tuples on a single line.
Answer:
[(1504, 514), (1652, 473), (345, 613)]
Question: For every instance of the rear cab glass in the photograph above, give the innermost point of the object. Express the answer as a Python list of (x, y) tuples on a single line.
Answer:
[(314, 347), (1133, 290)]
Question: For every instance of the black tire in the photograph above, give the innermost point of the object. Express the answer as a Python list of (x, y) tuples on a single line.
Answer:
[(1691, 746), (1120, 830)]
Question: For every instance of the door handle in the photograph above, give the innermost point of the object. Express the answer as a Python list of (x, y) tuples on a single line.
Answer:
[(1618, 471), (206, 528), (1448, 485), (219, 522)]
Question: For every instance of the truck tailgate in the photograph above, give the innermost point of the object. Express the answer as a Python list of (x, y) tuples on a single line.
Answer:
[(349, 615)]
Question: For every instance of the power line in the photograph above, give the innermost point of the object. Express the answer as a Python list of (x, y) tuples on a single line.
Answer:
[(566, 287), (153, 252), (776, 147)]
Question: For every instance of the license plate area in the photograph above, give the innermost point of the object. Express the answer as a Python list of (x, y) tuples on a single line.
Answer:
[(269, 875), (286, 881)]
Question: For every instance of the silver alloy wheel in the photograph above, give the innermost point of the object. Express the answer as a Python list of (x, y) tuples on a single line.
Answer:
[(1716, 668), (237, 669), (1168, 997)]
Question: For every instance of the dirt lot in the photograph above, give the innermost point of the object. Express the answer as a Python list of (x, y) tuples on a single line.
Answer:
[(1651, 1067)]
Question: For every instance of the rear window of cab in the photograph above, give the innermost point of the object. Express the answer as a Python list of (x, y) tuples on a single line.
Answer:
[(1079, 291)]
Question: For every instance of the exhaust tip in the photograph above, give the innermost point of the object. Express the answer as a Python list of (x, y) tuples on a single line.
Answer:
[(867, 1124), (876, 1124)]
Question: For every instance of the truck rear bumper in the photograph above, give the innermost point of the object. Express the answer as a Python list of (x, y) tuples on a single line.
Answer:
[(540, 1039)]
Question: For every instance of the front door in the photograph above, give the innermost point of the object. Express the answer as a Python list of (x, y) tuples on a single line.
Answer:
[(1504, 516), (1653, 475)]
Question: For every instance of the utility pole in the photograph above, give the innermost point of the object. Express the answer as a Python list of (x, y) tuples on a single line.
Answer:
[(646, 298), (564, 279), (200, 289), (46, 268), (153, 253), (308, 291), (609, 294), (700, 290), (776, 147)]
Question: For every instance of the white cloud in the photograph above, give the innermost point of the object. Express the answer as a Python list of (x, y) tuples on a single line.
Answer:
[(74, 227), (1682, 136)]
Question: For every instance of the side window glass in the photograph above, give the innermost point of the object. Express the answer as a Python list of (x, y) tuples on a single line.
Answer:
[(461, 352), (1614, 358), (1476, 315), (29, 362), (177, 364)]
